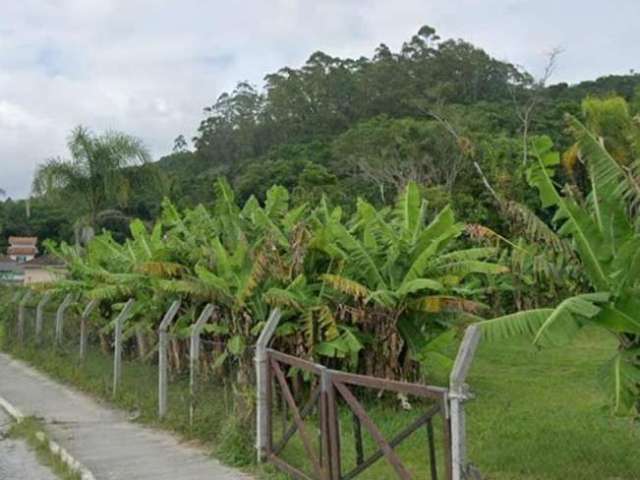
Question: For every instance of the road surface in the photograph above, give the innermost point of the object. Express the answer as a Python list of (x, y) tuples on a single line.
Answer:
[(100, 437), (17, 460)]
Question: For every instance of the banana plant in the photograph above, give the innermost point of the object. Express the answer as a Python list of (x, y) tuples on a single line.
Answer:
[(603, 229), (242, 254), (113, 272), (384, 286), (398, 279)]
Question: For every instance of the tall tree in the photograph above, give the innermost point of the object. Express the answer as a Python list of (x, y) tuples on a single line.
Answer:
[(93, 179)]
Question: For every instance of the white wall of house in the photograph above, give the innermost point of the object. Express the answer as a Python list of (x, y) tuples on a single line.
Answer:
[(22, 258), (40, 275)]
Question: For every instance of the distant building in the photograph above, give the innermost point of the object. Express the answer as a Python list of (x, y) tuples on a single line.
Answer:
[(22, 249), (43, 269), (22, 265), (10, 270)]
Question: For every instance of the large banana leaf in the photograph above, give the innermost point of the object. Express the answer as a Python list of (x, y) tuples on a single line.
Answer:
[(553, 326), (625, 380), (577, 221), (607, 173)]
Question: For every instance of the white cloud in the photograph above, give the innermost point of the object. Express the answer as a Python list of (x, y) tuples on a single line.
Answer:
[(14, 117), (149, 67)]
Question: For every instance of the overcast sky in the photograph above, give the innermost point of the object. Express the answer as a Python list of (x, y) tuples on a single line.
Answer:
[(148, 67)]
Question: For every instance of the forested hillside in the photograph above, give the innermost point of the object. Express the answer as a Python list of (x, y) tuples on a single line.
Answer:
[(377, 207), (434, 112)]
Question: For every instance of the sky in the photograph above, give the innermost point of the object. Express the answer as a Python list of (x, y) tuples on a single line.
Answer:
[(149, 67)]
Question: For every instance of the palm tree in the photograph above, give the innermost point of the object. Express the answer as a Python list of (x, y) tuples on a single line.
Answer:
[(92, 180)]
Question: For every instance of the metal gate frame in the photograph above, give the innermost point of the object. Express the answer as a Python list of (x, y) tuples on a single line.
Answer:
[(449, 402), (334, 385)]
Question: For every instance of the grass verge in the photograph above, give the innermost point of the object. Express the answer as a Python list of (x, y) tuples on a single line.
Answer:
[(27, 430)]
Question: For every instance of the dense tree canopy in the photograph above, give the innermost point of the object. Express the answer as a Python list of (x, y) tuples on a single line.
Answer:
[(434, 111)]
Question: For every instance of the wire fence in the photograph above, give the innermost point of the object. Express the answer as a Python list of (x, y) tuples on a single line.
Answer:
[(200, 387), (186, 377)]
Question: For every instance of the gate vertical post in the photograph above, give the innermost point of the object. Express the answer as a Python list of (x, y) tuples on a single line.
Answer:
[(329, 427), (162, 357), (458, 394), (84, 319), (263, 387), (194, 355), (60, 317), (21, 307), (117, 351), (325, 442), (40, 314), (334, 431)]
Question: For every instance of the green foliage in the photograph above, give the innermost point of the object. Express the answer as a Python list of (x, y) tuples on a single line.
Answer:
[(601, 226), (34, 217), (610, 119), (93, 180), (390, 153), (342, 283), (395, 275), (512, 376), (373, 286), (340, 127)]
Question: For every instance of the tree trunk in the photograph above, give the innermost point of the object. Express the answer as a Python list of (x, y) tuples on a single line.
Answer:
[(141, 340), (105, 345), (244, 390), (175, 353)]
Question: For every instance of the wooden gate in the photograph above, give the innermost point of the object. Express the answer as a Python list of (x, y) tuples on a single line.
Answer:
[(323, 450)]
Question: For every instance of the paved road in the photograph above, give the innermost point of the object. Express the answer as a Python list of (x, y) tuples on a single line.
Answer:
[(17, 461), (101, 438)]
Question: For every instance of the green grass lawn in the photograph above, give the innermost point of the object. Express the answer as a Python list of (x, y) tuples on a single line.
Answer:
[(543, 414), (538, 415)]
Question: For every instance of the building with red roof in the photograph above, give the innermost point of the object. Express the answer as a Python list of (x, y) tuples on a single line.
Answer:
[(22, 249)]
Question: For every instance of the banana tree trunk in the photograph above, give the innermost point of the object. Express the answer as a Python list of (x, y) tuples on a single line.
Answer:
[(141, 340)]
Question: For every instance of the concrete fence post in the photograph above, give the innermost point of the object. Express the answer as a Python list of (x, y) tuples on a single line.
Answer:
[(84, 320), (15, 304), (194, 355), (40, 315), (21, 307), (163, 342), (458, 394), (262, 383), (117, 351), (60, 317)]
